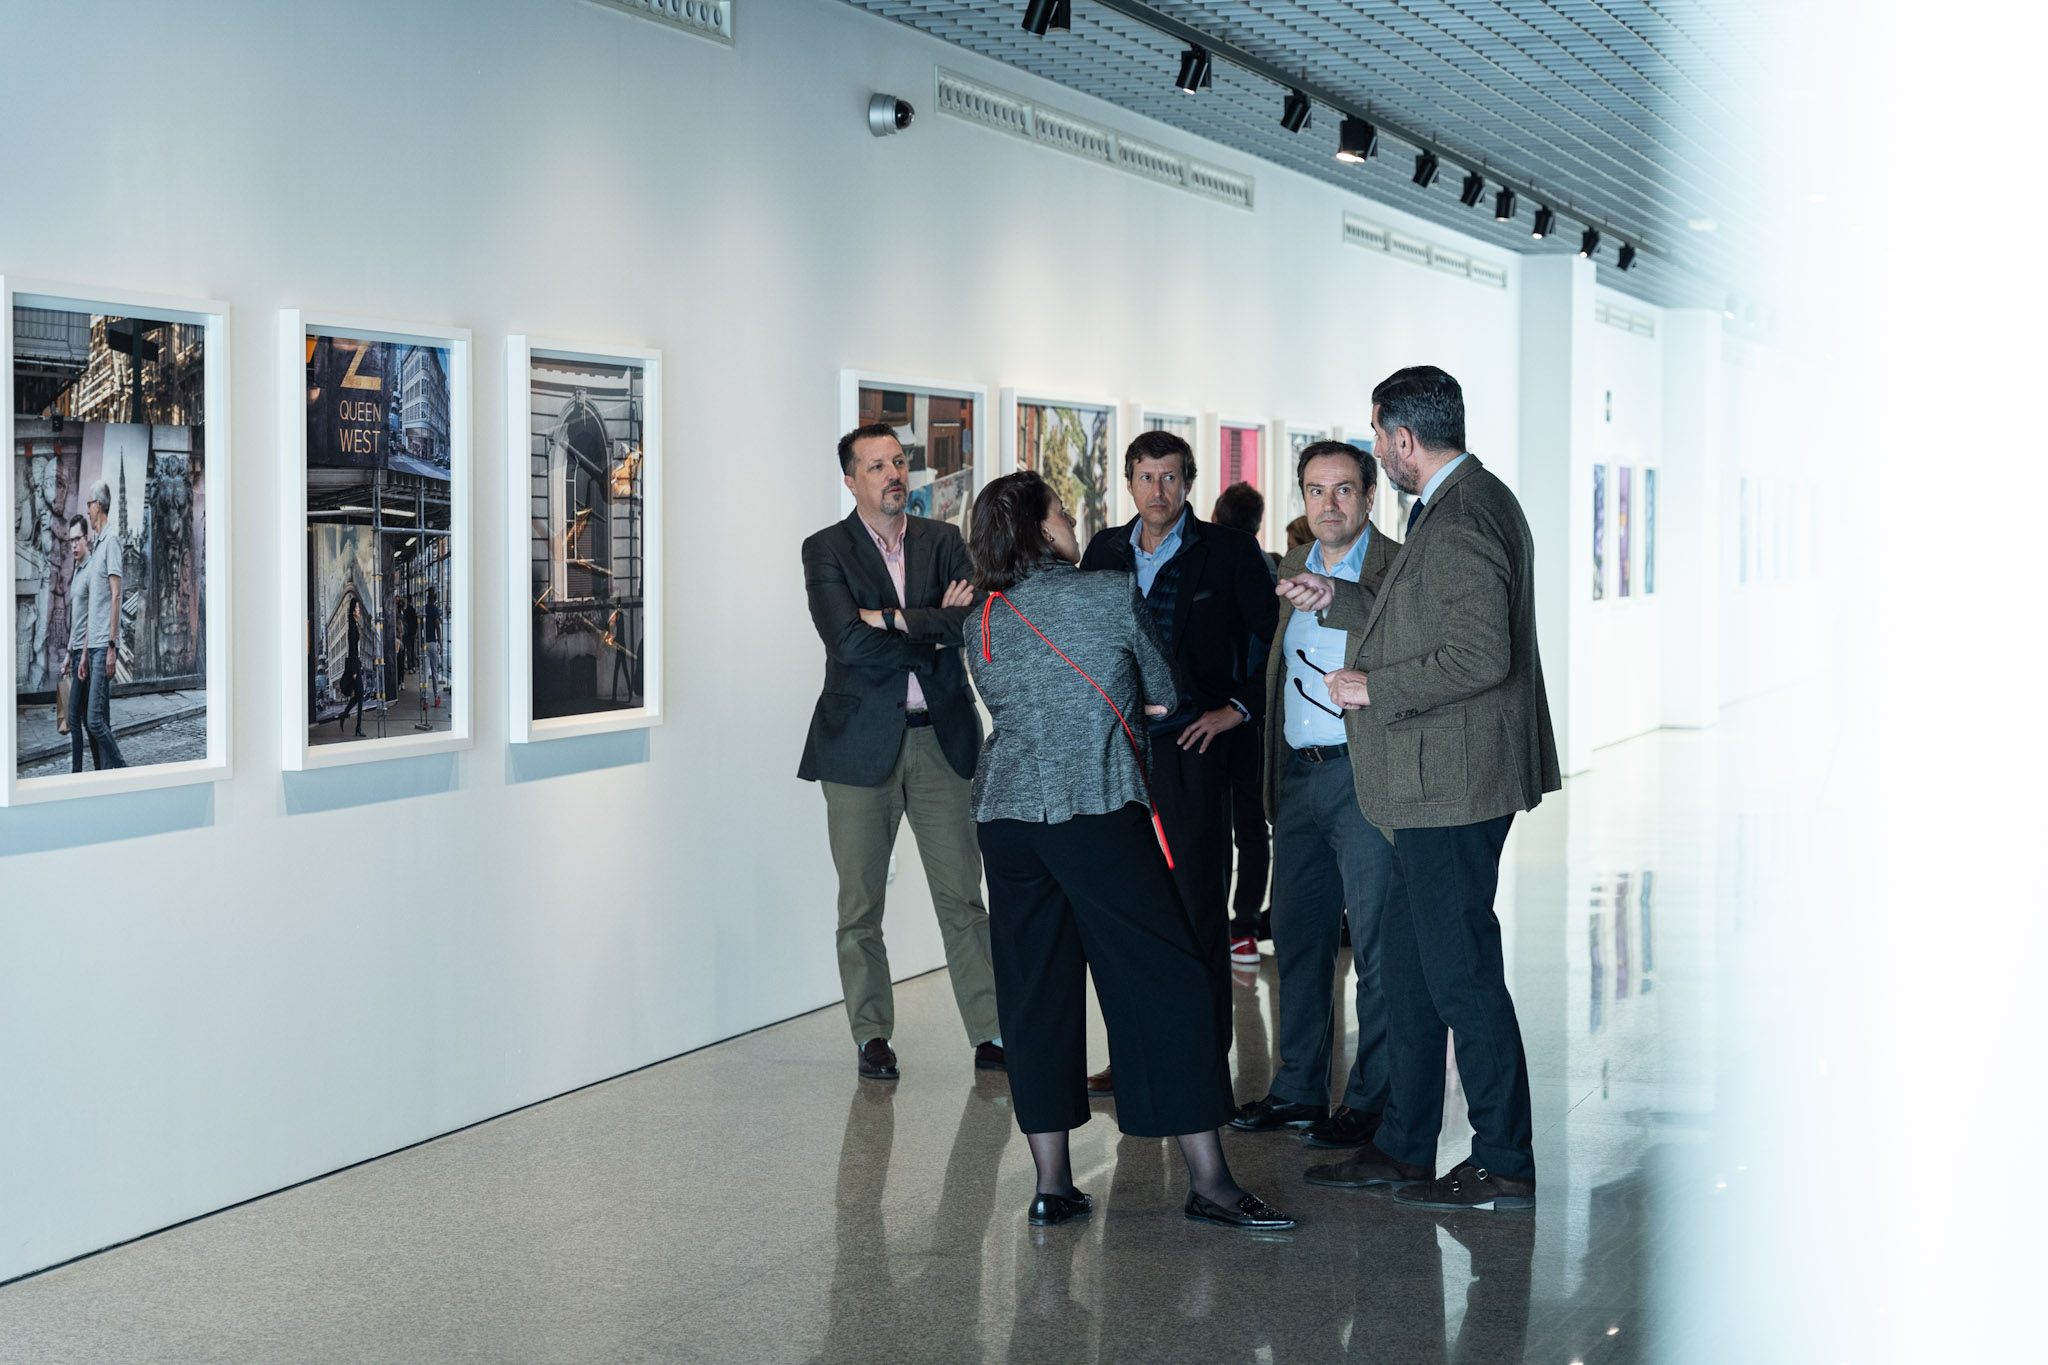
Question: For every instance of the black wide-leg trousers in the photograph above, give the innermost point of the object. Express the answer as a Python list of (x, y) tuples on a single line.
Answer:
[(1092, 895)]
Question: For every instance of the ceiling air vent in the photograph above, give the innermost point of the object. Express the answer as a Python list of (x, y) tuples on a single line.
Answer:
[(1633, 323), (1358, 232), (1408, 248), (1485, 272), (1450, 262), (706, 18), (1362, 232), (1012, 113)]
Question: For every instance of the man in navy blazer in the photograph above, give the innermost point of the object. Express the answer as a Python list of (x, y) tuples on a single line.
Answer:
[(895, 733), (1210, 589)]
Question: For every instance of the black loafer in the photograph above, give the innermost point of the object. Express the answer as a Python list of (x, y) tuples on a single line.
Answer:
[(989, 1057), (1469, 1186), (877, 1060), (1249, 1212), (1346, 1128), (1263, 1116), (1048, 1209)]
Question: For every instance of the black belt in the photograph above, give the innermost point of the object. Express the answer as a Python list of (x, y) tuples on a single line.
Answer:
[(916, 718), (1325, 753)]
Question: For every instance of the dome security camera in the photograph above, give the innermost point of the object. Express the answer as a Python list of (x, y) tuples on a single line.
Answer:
[(887, 114)]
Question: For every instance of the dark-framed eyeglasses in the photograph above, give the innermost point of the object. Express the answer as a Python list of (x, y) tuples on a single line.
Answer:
[(1326, 710)]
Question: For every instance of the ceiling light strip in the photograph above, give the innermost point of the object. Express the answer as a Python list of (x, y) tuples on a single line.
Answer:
[(1011, 113), (1219, 50), (1406, 246)]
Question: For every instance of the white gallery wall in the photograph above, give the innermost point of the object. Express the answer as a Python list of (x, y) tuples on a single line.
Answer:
[(209, 993)]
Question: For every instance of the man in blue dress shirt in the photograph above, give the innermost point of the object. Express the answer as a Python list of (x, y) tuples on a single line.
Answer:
[(1328, 862)]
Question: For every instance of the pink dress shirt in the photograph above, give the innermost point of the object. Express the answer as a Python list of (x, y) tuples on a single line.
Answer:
[(893, 561)]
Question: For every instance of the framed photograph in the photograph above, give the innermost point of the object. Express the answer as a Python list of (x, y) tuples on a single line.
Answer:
[(375, 484), (1599, 532), (1649, 531), (1621, 529), (1183, 422), (116, 412), (940, 426), (1285, 504), (583, 428), (1072, 443)]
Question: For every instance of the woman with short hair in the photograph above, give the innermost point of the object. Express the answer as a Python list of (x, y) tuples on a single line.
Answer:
[(1069, 665)]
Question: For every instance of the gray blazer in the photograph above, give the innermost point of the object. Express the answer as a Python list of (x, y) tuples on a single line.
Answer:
[(1379, 556), (1055, 749), (1459, 729)]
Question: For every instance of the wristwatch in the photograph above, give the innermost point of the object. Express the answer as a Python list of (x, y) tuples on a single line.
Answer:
[(889, 617)]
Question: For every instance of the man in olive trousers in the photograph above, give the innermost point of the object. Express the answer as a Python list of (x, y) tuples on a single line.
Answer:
[(895, 733)]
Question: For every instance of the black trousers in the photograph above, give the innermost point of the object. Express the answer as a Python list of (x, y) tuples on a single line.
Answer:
[(1248, 829), (1192, 793), (1092, 895), (1441, 969)]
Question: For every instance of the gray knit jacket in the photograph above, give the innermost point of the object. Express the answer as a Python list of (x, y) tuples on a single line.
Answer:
[(1055, 749)]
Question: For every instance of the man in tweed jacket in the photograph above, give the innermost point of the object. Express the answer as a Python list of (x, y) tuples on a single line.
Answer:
[(1450, 737)]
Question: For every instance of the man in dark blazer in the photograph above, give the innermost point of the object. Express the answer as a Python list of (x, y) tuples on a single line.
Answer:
[(1329, 864), (896, 733), (1209, 589), (1449, 737)]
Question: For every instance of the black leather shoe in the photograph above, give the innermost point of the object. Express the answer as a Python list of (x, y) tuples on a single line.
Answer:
[(1470, 1186), (1101, 1084), (1048, 1209), (877, 1061), (1263, 1116), (1249, 1212), (1366, 1167), (989, 1057), (1347, 1127)]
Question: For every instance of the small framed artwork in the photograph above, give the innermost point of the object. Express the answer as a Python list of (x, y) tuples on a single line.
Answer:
[(1622, 490), (940, 426), (1182, 421), (1649, 531), (1599, 532), (1289, 440), (116, 415), (1072, 443), (584, 467), (376, 483)]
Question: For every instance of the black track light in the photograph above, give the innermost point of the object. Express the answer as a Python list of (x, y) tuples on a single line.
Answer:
[(1475, 189), (1504, 206), (1544, 220), (1589, 242), (1625, 258), (1040, 15), (1356, 140), (1426, 168), (1194, 70), (1294, 113)]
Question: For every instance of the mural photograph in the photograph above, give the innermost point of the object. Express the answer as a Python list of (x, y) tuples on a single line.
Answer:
[(938, 435), (378, 507), (1068, 444), (110, 627), (587, 452)]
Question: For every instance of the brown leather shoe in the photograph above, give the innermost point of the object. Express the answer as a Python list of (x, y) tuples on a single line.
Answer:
[(1366, 1167), (1470, 1186), (877, 1061), (1100, 1084), (989, 1057)]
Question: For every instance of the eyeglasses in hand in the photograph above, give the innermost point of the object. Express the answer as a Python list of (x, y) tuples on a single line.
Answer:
[(1328, 711)]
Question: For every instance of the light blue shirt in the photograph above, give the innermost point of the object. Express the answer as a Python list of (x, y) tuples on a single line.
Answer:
[(1437, 480), (1307, 725), (1148, 565)]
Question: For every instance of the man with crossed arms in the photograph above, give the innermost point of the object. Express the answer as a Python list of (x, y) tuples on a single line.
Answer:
[(1449, 737)]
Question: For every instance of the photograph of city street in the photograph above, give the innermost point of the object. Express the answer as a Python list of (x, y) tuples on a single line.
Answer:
[(379, 565), (938, 436), (113, 405), (588, 538)]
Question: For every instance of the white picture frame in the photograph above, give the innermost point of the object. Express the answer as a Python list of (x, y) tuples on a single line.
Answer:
[(520, 353), (1011, 400), (1283, 495), (295, 326), (983, 450), (213, 317), (1185, 420)]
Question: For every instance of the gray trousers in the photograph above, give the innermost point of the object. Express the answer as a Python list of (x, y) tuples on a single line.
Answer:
[(862, 824), (1328, 863)]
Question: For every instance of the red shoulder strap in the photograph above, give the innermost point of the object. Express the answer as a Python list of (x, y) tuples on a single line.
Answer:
[(986, 655)]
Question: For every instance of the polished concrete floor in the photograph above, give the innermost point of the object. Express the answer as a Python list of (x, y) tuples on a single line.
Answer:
[(755, 1201)]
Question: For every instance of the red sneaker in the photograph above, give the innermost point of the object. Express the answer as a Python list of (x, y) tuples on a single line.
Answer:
[(1244, 952)]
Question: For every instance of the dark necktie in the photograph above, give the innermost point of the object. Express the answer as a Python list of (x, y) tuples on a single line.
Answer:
[(1414, 515)]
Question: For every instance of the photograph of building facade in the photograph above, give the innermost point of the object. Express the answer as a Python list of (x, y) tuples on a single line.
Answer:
[(939, 438), (588, 543), (1069, 446), (378, 511), (120, 400)]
